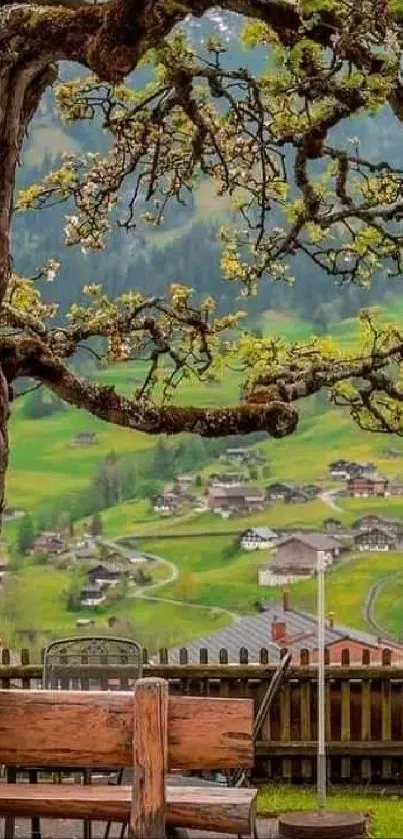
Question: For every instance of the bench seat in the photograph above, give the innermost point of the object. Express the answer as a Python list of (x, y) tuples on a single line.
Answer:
[(215, 809)]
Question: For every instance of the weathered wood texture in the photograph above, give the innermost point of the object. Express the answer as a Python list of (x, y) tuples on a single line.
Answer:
[(150, 759), (364, 718), (219, 810), (62, 728)]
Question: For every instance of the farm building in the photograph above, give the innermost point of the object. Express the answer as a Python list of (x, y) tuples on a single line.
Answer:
[(332, 525), (227, 479), (92, 595), (375, 539), (84, 438), (166, 504), (278, 628), (257, 538), (49, 543), (226, 500), (105, 576), (367, 485), (278, 491), (297, 557)]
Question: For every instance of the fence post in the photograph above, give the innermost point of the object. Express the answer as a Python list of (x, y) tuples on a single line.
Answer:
[(150, 759)]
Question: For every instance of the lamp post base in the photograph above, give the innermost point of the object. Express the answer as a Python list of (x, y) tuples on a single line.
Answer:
[(322, 825)]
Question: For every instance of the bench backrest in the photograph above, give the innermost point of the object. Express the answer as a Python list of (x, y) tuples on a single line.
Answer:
[(146, 729), (72, 728)]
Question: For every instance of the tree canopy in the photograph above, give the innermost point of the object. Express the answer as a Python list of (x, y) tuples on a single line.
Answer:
[(272, 141)]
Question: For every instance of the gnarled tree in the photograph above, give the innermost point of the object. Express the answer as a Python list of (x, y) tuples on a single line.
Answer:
[(267, 142)]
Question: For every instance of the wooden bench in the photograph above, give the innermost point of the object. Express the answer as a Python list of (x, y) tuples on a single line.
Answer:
[(145, 730)]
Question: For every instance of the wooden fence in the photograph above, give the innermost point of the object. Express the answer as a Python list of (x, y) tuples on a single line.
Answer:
[(364, 718)]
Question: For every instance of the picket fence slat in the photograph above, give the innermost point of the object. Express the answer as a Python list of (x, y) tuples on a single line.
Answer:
[(364, 705)]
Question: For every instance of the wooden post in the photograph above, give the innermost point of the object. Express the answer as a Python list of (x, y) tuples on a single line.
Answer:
[(150, 759)]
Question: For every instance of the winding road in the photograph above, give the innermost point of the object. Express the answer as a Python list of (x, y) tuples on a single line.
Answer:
[(368, 610)]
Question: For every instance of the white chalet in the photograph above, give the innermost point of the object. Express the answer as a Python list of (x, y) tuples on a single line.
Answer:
[(92, 595), (257, 538)]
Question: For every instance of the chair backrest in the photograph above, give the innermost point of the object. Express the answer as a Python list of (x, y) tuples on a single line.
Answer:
[(104, 729), (92, 662)]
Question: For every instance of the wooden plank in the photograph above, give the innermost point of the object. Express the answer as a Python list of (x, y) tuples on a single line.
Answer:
[(49, 728), (345, 724), (206, 732), (217, 671), (386, 719), (366, 726), (150, 759), (309, 749), (285, 728), (305, 725), (216, 809)]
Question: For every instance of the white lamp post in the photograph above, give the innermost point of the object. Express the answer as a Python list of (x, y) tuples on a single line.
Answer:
[(321, 773)]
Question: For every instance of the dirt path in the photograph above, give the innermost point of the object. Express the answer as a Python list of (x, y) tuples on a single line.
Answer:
[(328, 498)]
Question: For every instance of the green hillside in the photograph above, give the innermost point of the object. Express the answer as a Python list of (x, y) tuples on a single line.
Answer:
[(213, 572)]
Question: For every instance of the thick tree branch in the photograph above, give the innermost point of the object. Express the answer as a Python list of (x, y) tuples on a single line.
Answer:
[(29, 357)]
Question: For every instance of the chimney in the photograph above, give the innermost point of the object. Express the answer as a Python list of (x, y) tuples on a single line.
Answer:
[(278, 631), (286, 600), (331, 620)]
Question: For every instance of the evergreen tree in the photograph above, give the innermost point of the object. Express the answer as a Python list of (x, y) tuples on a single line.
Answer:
[(96, 525), (26, 534)]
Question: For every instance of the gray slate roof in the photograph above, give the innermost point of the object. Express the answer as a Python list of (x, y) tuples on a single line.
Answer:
[(254, 632), (319, 541), (263, 532)]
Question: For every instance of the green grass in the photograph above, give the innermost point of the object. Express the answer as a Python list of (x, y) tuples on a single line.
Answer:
[(45, 466), (386, 813), (347, 586), (388, 604), (38, 594)]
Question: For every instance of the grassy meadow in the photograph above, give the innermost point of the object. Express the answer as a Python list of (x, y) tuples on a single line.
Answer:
[(213, 571)]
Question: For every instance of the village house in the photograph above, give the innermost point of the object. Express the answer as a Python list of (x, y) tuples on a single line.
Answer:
[(332, 525), (185, 481), (278, 491), (296, 496), (137, 558), (242, 499), (167, 503), (257, 538), (368, 521), (281, 627), (297, 557), (105, 576), (84, 438), (86, 549), (92, 595), (375, 539), (242, 455), (227, 479), (341, 470), (345, 469), (49, 543), (396, 487), (367, 485), (311, 490)]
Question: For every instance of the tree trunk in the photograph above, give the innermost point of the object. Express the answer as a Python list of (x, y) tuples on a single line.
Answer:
[(4, 413), (20, 93)]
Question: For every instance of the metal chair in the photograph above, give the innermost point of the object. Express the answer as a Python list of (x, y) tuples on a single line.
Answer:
[(78, 663), (88, 662)]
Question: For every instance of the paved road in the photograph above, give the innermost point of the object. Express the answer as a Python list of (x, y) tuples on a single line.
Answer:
[(369, 606)]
